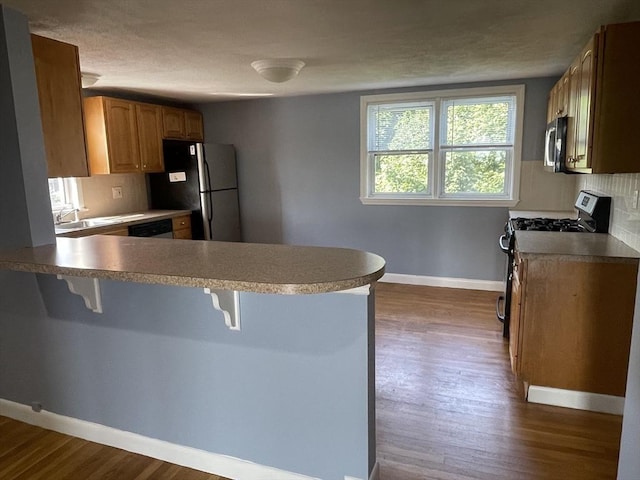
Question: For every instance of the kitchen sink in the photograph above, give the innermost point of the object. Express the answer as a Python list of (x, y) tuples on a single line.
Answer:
[(94, 222)]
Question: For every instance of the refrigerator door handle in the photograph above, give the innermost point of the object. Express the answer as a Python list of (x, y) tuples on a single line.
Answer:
[(207, 176)]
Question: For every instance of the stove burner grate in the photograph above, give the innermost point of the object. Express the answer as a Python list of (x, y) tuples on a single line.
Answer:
[(547, 224)]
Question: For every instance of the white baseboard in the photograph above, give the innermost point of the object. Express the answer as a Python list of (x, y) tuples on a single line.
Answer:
[(214, 463), (594, 402), (465, 283)]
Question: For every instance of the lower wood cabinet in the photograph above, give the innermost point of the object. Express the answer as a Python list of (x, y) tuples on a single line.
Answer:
[(124, 232), (571, 322), (182, 227)]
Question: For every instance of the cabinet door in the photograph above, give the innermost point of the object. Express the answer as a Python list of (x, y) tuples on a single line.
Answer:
[(173, 125), (149, 121), (122, 136), (552, 105), (58, 77), (515, 321), (194, 126), (572, 113), (586, 83)]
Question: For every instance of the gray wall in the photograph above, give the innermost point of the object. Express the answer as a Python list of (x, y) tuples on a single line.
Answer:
[(24, 193), (291, 390), (299, 174)]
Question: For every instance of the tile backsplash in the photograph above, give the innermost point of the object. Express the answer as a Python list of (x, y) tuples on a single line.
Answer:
[(625, 219), (98, 198)]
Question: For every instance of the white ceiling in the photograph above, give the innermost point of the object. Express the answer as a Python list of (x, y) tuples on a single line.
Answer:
[(201, 50)]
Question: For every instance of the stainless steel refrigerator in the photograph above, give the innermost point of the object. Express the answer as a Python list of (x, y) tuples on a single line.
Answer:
[(201, 178)]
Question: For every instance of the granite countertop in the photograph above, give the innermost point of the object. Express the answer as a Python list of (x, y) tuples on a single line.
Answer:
[(124, 220), (251, 267), (577, 246)]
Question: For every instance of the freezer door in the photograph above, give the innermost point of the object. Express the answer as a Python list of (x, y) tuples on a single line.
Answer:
[(221, 214), (221, 162)]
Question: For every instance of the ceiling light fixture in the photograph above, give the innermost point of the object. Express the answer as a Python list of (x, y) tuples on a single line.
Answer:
[(89, 79), (278, 70)]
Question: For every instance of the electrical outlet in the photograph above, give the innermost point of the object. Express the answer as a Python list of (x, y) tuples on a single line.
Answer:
[(116, 192), (635, 199)]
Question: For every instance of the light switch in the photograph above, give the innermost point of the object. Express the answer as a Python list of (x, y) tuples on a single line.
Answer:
[(116, 192)]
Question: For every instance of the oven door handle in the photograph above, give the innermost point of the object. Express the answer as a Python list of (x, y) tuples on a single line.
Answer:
[(501, 243), (500, 313)]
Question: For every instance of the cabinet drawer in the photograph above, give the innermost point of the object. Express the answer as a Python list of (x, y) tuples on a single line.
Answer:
[(184, 234), (180, 223)]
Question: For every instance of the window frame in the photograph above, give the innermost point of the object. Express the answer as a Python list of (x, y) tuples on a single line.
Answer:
[(435, 166), (72, 194)]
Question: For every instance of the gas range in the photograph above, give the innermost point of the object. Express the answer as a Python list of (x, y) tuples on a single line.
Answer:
[(593, 217)]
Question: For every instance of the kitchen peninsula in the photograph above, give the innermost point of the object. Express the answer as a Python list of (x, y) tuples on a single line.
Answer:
[(291, 389)]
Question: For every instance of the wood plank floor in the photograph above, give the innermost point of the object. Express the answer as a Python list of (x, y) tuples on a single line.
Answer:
[(32, 453), (447, 406)]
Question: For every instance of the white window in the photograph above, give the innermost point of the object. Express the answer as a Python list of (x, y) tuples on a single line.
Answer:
[(64, 194), (452, 147)]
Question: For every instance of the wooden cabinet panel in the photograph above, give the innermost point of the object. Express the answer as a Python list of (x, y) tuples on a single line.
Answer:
[(173, 123), (182, 227), (515, 316), (584, 114), (58, 78), (122, 136), (180, 124), (123, 232), (194, 125), (149, 123), (573, 327)]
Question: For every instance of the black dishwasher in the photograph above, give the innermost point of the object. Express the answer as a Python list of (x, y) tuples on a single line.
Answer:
[(158, 228)]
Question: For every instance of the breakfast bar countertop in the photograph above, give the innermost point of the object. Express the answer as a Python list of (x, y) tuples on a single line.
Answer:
[(252, 267)]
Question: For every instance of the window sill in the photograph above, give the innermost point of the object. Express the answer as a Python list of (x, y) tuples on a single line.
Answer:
[(440, 202)]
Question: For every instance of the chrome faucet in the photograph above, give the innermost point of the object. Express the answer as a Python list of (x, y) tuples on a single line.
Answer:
[(61, 214)]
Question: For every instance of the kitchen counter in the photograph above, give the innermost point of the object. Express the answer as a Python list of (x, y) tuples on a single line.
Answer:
[(579, 246), (125, 220), (248, 267)]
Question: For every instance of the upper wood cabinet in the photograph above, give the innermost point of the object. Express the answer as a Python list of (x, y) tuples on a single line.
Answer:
[(149, 118), (126, 137), (181, 124), (194, 127), (123, 136), (58, 78), (112, 135), (602, 103)]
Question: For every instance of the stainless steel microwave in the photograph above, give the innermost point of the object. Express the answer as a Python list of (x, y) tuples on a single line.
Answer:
[(555, 145)]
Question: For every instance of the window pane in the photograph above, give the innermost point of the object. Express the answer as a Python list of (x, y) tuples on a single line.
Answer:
[(400, 127), (476, 172), (488, 121), (401, 173), (56, 192)]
